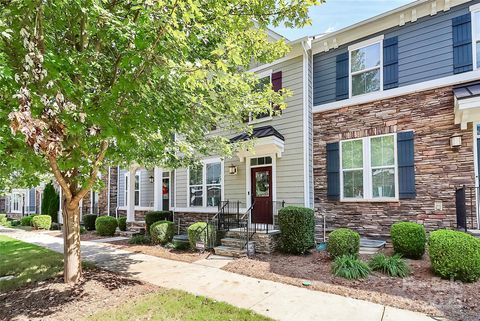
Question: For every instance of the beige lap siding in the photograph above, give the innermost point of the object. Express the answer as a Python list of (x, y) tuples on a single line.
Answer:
[(439, 169)]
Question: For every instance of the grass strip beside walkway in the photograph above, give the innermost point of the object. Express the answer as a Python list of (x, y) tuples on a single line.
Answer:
[(26, 263), (173, 305)]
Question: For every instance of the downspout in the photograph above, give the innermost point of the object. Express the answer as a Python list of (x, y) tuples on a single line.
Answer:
[(108, 192), (118, 186)]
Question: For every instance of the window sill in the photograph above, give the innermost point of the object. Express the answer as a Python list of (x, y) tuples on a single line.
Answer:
[(380, 200), (261, 120)]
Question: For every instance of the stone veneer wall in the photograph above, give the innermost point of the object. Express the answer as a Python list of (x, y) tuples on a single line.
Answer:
[(139, 215), (184, 220), (113, 189), (439, 169), (103, 197)]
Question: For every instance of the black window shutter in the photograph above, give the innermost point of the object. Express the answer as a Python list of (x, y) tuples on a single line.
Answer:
[(462, 44), (333, 171), (406, 166), (277, 85), (390, 63), (341, 88)]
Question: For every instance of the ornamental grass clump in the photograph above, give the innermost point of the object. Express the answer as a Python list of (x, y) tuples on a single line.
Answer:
[(394, 265), (350, 267)]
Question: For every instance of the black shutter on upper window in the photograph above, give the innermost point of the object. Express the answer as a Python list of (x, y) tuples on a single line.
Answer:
[(390, 63), (462, 43), (341, 86), (277, 85), (333, 171), (406, 165)]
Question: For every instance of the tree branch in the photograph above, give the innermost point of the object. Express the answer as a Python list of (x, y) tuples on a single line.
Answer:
[(58, 175), (93, 172)]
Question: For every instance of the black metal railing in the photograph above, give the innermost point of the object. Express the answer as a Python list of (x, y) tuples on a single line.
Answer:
[(229, 214), (466, 207)]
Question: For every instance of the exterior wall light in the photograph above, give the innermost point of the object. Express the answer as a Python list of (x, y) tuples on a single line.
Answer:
[(151, 179), (232, 170), (456, 141)]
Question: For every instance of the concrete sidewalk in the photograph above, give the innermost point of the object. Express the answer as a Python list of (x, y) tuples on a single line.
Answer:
[(276, 300)]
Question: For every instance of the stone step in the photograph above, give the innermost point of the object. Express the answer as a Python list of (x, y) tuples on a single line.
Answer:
[(233, 242), (475, 233), (235, 234), (136, 224), (127, 233), (230, 251)]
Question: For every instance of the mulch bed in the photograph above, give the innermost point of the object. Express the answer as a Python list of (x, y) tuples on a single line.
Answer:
[(160, 251), (422, 291), (55, 300)]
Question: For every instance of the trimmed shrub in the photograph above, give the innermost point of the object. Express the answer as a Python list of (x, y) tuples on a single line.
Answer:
[(82, 230), (152, 217), (297, 227), (50, 202), (350, 267), (162, 232), (106, 225), (15, 223), (42, 222), (390, 265), (27, 220), (89, 221), (139, 239), (455, 255), (198, 232), (409, 239), (343, 241), (122, 223), (3, 220)]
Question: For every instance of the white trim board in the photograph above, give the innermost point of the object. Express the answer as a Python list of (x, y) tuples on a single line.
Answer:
[(400, 91)]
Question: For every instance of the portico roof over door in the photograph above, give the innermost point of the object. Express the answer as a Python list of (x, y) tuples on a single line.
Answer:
[(267, 141), (467, 104)]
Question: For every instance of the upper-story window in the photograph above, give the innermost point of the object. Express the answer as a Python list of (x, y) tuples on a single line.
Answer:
[(263, 82), (366, 67), (476, 34)]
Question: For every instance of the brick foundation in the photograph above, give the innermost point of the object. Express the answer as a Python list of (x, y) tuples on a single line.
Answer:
[(184, 220), (439, 169)]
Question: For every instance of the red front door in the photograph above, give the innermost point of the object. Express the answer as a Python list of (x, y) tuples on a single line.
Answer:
[(262, 195)]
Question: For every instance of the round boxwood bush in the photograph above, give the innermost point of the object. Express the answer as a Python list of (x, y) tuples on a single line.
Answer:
[(343, 241), (42, 222), (162, 232), (27, 220), (89, 221), (408, 239), (454, 255), (106, 225), (297, 227), (3, 219), (152, 217), (122, 223), (199, 232)]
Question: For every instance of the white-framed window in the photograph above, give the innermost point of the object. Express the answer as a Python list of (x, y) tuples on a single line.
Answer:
[(205, 184), (368, 168), (136, 191), (366, 66), (264, 79), (17, 202), (475, 11)]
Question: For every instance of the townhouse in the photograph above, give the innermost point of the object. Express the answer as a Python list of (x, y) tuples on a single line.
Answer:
[(383, 126)]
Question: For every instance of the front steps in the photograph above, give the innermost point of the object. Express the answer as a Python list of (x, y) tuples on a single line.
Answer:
[(232, 245), (133, 228)]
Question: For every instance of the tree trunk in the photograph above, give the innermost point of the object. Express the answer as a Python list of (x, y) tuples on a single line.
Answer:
[(71, 237)]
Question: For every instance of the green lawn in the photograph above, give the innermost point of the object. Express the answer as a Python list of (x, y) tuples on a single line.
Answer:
[(171, 305), (27, 262)]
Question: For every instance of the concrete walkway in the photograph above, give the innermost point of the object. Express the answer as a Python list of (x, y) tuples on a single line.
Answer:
[(276, 300)]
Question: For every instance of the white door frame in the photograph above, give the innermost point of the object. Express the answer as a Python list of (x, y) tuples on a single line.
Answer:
[(476, 136), (248, 174)]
